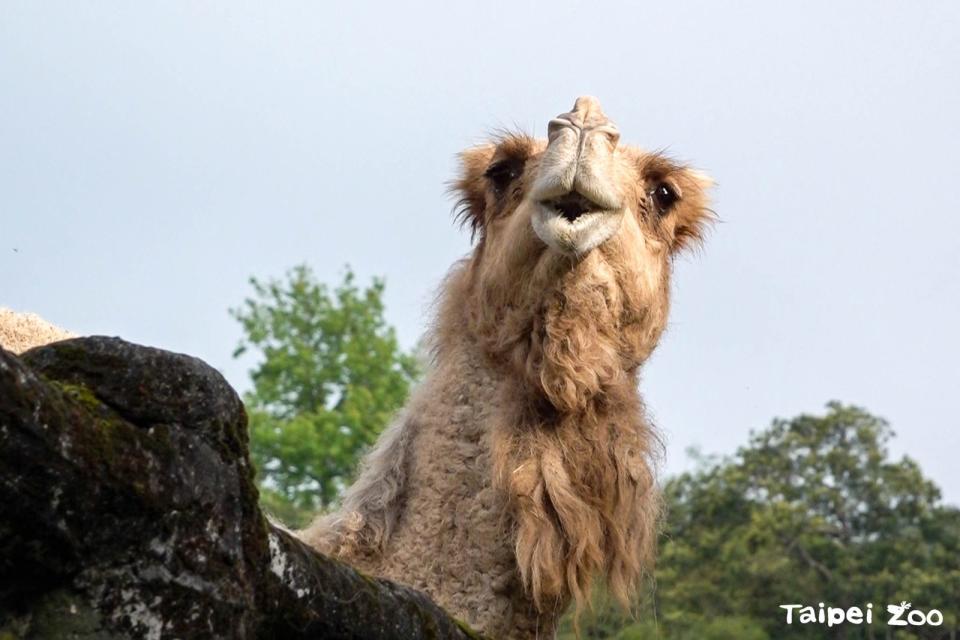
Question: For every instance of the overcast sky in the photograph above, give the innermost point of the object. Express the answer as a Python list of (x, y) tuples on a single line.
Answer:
[(155, 155)]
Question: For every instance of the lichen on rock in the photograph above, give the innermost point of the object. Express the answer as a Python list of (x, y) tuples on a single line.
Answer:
[(128, 510)]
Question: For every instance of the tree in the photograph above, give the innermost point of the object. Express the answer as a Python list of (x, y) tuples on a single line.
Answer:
[(812, 509), (330, 377)]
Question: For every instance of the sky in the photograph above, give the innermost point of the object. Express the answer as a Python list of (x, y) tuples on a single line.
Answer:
[(154, 156)]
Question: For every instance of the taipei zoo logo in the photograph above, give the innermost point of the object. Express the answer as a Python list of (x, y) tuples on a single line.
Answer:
[(898, 615)]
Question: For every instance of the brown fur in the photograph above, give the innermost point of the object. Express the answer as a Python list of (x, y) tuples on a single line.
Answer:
[(523, 467), (20, 332)]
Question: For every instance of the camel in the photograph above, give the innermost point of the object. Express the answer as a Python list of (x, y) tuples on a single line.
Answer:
[(20, 332), (523, 466)]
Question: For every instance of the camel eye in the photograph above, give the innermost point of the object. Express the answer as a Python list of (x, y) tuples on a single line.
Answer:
[(503, 172), (664, 197)]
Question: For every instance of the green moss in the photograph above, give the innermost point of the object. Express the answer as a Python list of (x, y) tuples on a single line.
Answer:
[(470, 633), (78, 392), (106, 419), (113, 445), (109, 426)]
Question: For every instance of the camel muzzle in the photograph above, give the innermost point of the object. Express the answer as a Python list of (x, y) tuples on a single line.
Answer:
[(578, 201)]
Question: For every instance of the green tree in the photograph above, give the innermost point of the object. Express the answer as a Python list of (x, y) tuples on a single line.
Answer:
[(812, 509), (330, 376)]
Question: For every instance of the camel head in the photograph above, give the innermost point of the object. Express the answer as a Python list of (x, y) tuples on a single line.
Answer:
[(569, 279)]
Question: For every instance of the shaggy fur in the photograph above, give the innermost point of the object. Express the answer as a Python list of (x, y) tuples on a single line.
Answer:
[(523, 467), (22, 331)]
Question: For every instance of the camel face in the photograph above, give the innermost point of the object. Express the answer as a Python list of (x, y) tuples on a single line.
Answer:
[(570, 277), (578, 188)]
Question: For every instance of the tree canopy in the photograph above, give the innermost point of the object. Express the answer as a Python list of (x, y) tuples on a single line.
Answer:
[(813, 509), (330, 376)]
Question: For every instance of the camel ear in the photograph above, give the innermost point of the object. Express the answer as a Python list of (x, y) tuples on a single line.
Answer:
[(693, 215), (471, 187)]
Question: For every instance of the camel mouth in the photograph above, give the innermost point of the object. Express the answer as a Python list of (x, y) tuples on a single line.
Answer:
[(574, 224), (571, 206)]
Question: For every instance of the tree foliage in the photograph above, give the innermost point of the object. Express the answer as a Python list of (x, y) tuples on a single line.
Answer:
[(330, 376), (811, 510)]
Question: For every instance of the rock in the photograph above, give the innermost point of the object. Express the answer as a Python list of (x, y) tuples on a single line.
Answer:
[(128, 510)]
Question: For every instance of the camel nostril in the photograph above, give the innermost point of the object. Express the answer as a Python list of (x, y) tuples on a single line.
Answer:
[(560, 124), (611, 133)]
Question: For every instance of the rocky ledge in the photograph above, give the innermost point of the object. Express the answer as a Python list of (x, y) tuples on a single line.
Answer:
[(128, 510)]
